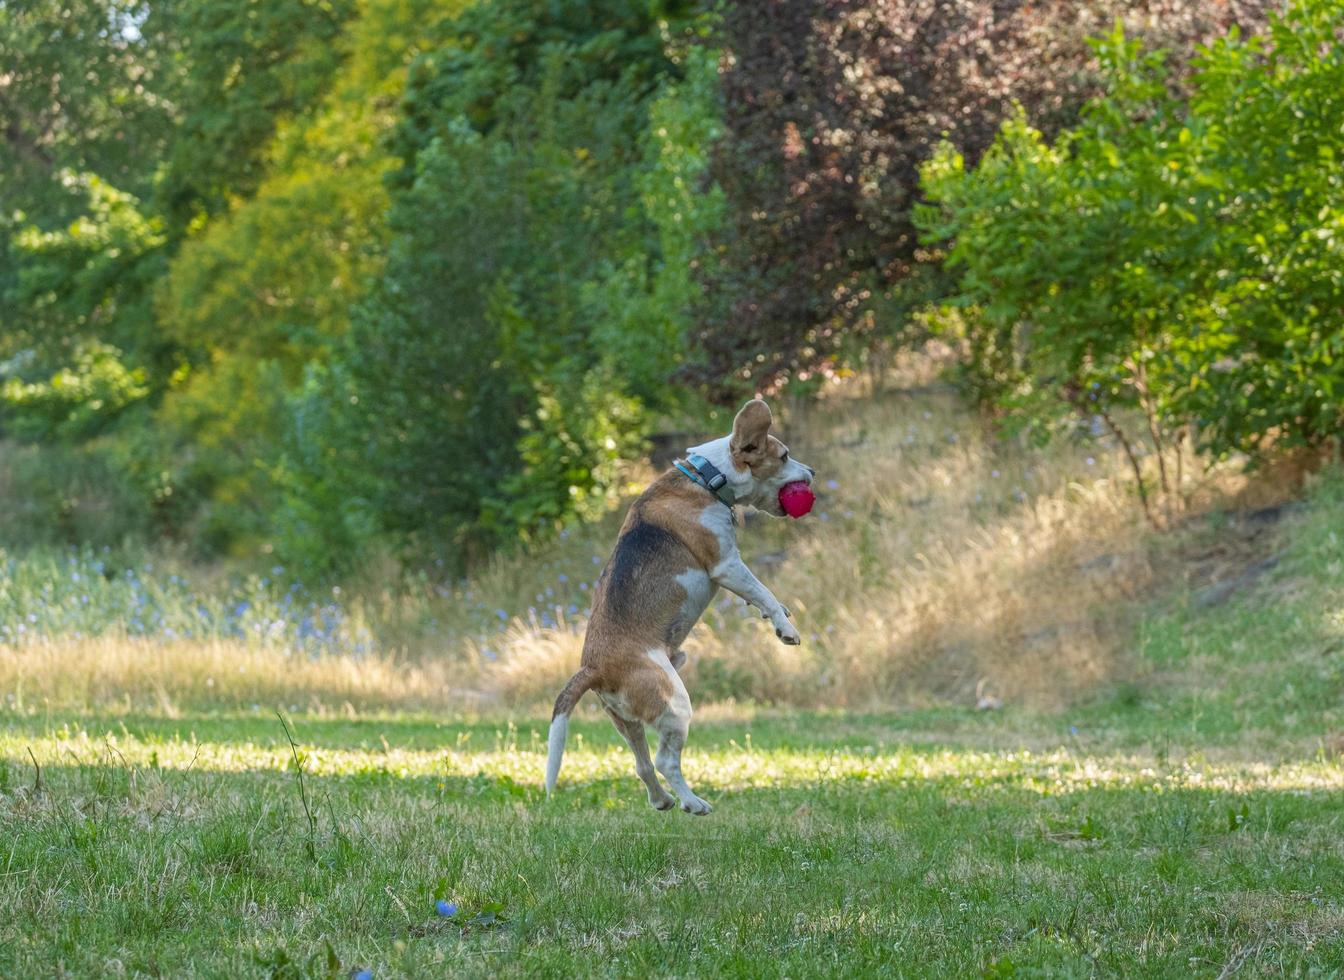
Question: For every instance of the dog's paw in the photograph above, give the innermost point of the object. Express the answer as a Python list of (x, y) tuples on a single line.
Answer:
[(789, 634), (666, 802), (697, 806)]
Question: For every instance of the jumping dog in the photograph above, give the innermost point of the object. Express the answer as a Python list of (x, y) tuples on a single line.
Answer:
[(678, 545)]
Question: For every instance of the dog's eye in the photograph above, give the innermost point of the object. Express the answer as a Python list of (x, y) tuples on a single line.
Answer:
[(785, 457)]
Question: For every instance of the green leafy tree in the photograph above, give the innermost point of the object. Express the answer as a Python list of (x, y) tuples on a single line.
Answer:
[(125, 121), (78, 83), (263, 293), (1176, 259), (483, 388), (249, 65), (644, 306), (78, 400), (81, 124), (71, 287)]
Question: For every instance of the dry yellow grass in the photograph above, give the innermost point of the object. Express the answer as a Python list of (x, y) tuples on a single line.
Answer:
[(941, 565), (165, 677)]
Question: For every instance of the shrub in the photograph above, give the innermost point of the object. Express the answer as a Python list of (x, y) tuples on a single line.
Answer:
[(1174, 256), (63, 495), (829, 111), (482, 386)]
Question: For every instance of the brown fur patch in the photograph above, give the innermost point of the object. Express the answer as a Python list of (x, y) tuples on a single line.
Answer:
[(751, 432), (638, 600)]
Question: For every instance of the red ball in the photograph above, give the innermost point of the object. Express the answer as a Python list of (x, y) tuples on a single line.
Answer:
[(796, 499)]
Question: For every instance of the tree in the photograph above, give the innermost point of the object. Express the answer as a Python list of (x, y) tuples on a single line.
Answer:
[(476, 388), (248, 65), (1174, 257), (830, 110), (77, 94)]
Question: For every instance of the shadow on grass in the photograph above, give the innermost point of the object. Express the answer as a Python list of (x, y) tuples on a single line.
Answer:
[(988, 815)]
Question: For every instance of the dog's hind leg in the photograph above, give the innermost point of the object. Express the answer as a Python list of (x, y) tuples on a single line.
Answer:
[(672, 723), (633, 733), (672, 727)]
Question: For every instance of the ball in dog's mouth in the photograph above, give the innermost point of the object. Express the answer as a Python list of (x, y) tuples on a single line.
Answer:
[(796, 498)]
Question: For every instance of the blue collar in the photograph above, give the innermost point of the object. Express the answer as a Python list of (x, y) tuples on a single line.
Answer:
[(704, 473)]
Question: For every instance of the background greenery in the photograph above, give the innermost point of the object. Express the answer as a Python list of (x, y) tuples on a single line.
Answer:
[(335, 280), (1177, 256)]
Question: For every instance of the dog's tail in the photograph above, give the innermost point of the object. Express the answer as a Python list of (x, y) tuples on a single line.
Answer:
[(564, 704)]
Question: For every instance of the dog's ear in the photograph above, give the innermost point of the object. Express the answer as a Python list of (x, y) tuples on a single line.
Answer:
[(750, 431)]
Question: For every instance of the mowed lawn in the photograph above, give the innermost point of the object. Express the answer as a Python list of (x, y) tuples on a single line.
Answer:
[(939, 844)]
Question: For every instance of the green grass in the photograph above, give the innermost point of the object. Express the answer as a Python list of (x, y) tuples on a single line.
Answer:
[(839, 845), (1263, 670), (1185, 821)]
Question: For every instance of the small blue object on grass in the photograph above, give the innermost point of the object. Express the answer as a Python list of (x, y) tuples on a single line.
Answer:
[(362, 975), (445, 908)]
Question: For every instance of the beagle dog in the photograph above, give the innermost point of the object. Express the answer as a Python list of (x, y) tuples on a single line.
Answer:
[(677, 547)]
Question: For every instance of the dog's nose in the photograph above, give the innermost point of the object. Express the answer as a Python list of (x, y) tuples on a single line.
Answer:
[(810, 471)]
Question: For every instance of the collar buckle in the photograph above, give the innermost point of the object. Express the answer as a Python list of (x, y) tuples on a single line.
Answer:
[(707, 475)]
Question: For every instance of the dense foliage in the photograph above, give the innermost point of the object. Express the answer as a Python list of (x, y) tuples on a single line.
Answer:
[(480, 392), (829, 111), (323, 279), (1176, 257), (321, 275)]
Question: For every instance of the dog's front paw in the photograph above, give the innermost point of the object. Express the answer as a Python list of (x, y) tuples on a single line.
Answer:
[(788, 633)]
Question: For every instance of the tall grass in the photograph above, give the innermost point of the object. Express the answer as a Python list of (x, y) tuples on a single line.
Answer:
[(941, 564)]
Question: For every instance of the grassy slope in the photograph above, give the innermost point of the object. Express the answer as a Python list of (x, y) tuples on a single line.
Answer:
[(1264, 670), (1189, 825), (940, 566)]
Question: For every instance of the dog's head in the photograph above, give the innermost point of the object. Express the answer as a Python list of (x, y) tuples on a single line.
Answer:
[(756, 463)]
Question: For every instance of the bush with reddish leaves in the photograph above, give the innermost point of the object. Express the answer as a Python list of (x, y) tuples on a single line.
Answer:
[(831, 108)]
